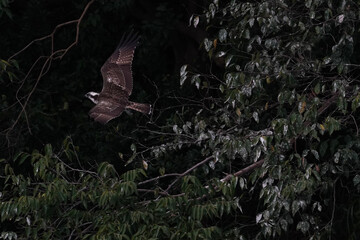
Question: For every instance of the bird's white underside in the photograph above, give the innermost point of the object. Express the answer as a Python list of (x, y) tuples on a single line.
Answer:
[(92, 96)]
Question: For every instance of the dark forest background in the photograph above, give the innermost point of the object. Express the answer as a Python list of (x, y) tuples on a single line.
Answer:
[(58, 107), (254, 132)]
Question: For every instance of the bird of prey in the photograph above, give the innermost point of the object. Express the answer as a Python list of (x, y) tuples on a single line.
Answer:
[(117, 84)]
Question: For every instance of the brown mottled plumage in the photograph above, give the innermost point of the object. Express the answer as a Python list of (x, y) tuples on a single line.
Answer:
[(117, 84)]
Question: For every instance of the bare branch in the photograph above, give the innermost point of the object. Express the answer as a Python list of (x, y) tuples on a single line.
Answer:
[(328, 103), (188, 171), (58, 54), (243, 171), (51, 35), (159, 177)]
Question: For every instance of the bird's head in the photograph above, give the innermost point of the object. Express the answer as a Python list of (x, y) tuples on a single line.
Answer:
[(93, 96)]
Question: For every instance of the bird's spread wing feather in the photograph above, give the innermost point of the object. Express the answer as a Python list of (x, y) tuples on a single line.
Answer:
[(104, 111), (117, 83), (117, 69)]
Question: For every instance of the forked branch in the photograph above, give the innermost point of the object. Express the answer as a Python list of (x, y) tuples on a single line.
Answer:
[(54, 54)]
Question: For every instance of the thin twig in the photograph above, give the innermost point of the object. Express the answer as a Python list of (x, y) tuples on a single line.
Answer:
[(159, 177), (357, 129), (46, 65), (333, 210), (153, 191), (51, 35)]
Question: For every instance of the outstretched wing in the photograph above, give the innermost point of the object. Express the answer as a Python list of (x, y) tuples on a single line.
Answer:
[(104, 111), (117, 69)]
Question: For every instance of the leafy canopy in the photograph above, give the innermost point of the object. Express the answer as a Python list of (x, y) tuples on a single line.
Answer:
[(260, 141)]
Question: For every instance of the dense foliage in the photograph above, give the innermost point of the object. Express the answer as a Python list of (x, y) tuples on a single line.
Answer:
[(256, 139)]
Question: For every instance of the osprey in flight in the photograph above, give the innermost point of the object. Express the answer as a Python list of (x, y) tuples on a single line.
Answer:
[(117, 84)]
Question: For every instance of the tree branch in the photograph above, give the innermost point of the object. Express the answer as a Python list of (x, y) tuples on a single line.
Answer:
[(159, 177), (243, 171), (188, 171), (58, 54)]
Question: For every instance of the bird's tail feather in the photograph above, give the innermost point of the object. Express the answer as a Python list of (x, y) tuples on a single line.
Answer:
[(140, 107)]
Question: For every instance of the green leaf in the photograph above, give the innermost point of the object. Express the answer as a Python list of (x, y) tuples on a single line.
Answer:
[(317, 88), (208, 44), (48, 150), (133, 147), (256, 117), (183, 71), (296, 205), (131, 159), (228, 59), (196, 79), (303, 226), (222, 35), (315, 153), (196, 21), (356, 179), (308, 3)]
